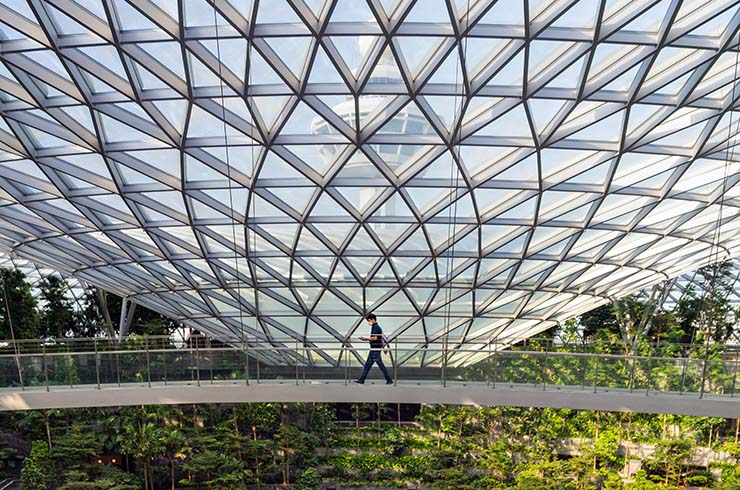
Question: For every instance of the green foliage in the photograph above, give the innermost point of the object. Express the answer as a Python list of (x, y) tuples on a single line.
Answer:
[(605, 450), (643, 482), (448, 447), (75, 447), (215, 470), (10, 459), (308, 479), (669, 461), (57, 315), (394, 442), (21, 305), (37, 470), (104, 478)]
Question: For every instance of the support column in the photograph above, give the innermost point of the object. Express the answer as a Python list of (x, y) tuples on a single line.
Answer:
[(103, 303), (128, 308)]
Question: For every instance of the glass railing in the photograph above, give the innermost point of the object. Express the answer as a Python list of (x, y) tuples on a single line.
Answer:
[(428, 365)]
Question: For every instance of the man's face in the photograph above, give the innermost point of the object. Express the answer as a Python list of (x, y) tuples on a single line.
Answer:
[(370, 322)]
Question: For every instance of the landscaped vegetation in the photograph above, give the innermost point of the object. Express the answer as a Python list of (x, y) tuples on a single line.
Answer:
[(387, 446), (445, 447)]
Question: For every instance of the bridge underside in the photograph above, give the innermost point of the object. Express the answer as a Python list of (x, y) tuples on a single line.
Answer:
[(477, 394)]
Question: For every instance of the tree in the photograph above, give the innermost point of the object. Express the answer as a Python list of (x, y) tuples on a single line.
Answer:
[(89, 320), (216, 470), (57, 314), (76, 446), (143, 440), (20, 304), (670, 459), (176, 445), (707, 312), (296, 447), (598, 320), (308, 479), (36, 473)]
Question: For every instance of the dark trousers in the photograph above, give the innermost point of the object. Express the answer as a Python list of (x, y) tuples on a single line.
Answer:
[(373, 357)]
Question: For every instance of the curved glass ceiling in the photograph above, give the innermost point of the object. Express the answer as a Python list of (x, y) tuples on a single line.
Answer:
[(456, 166), (35, 274)]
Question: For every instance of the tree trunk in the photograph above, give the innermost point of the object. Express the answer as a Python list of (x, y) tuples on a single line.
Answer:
[(48, 429), (146, 475), (238, 435), (439, 432), (172, 472)]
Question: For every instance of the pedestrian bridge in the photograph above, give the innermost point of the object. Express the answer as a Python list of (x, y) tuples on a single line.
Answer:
[(139, 373)]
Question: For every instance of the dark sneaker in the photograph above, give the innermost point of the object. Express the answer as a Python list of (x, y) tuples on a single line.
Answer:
[(358, 382), (389, 382)]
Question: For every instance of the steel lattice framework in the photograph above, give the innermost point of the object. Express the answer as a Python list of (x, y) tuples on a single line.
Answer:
[(75, 290), (477, 168)]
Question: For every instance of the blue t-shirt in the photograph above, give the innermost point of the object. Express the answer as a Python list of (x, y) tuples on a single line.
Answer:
[(376, 331)]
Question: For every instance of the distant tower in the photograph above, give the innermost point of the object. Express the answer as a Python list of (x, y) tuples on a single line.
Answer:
[(410, 120)]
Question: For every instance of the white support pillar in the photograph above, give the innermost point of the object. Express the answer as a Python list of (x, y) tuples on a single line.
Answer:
[(128, 308)]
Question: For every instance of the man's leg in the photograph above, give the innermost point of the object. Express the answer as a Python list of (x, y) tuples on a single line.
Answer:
[(381, 365), (366, 369)]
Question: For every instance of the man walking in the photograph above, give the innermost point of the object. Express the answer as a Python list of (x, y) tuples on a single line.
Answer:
[(376, 346)]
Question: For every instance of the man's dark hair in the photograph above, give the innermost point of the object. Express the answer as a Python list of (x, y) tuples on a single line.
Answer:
[(371, 316)]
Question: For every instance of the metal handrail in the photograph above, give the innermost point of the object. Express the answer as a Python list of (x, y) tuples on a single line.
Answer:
[(346, 347), (514, 341)]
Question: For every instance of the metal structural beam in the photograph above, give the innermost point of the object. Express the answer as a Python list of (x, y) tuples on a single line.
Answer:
[(128, 309)]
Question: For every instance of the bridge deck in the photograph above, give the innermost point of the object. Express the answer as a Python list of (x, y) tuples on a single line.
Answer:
[(455, 393)]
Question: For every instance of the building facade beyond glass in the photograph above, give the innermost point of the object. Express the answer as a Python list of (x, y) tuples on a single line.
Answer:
[(468, 169)]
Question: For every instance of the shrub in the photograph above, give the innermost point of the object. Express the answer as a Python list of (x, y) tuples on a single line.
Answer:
[(36, 472), (308, 479)]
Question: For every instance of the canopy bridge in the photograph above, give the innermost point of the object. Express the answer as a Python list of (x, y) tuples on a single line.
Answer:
[(99, 372)]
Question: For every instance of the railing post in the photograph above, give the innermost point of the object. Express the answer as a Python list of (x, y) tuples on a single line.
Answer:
[(148, 362), (97, 363), (632, 372), (488, 371), (734, 378), (297, 375), (444, 366), (164, 364), (70, 363), (210, 358), (197, 360), (245, 352), (596, 371), (544, 372), (46, 365), (495, 367), (258, 360), (118, 368), (395, 363), (683, 374), (345, 359)]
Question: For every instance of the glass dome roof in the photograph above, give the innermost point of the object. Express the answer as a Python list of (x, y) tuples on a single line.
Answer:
[(478, 169)]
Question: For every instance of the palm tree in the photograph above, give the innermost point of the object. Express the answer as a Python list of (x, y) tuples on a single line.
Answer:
[(176, 446)]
